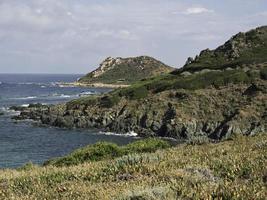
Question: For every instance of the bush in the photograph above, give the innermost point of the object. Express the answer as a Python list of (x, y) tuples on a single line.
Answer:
[(95, 152), (146, 145), (109, 101), (134, 93), (106, 150)]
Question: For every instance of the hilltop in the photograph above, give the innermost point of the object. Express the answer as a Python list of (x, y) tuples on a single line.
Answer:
[(211, 100), (125, 71), (243, 49)]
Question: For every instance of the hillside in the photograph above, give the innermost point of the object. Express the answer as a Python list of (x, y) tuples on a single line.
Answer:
[(233, 169), (243, 49), (125, 71), (206, 102)]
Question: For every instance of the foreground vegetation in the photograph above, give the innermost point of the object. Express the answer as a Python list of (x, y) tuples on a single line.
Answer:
[(106, 150), (232, 169)]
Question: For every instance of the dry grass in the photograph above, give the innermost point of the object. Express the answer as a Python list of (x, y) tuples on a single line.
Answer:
[(233, 169)]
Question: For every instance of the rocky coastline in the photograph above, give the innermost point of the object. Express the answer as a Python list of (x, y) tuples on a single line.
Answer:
[(219, 93), (180, 114)]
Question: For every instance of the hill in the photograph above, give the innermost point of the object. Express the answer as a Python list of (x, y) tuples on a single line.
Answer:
[(209, 101), (242, 49), (124, 71)]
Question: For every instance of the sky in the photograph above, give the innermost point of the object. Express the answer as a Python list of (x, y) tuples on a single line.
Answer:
[(74, 36)]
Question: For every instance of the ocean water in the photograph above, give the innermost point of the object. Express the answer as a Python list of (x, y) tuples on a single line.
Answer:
[(22, 142)]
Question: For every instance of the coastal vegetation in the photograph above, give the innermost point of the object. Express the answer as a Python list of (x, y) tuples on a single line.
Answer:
[(106, 150), (232, 169)]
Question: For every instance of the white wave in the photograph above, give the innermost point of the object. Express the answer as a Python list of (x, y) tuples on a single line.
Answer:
[(129, 134), (29, 83), (87, 93), (9, 112), (25, 105), (25, 98), (65, 96), (66, 86), (4, 109)]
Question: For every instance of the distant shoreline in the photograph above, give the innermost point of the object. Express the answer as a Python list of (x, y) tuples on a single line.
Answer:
[(92, 85)]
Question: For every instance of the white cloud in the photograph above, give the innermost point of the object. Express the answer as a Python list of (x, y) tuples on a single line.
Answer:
[(74, 36), (197, 10)]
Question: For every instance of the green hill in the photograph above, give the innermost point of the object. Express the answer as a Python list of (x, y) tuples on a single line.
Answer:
[(211, 100), (243, 49), (125, 70)]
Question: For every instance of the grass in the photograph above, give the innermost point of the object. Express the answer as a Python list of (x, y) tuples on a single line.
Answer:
[(106, 150), (233, 169)]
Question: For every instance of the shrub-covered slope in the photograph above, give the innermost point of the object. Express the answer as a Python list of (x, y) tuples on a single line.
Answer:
[(125, 70), (234, 169), (243, 49)]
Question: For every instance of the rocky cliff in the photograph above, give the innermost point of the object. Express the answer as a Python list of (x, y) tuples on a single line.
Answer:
[(212, 100), (125, 70)]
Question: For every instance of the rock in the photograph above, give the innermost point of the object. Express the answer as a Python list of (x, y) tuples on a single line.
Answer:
[(189, 61)]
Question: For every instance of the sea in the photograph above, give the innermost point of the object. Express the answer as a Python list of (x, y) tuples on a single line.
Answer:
[(24, 141)]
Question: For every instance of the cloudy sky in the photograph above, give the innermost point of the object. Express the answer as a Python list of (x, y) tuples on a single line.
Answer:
[(74, 36)]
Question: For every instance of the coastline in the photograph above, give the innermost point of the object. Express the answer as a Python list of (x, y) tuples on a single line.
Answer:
[(91, 85)]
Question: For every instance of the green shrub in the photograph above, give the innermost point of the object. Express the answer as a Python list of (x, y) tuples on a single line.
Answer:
[(146, 145), (87, 101), (134, 93), (105, 150), (95, 152), (109, 101)]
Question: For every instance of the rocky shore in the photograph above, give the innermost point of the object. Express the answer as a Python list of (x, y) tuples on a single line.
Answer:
[(181, 114), (219, 93)]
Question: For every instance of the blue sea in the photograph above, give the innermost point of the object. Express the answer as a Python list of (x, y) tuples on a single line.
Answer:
[(22, 142)]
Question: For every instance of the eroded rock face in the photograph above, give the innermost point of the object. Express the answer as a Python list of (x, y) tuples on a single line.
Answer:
[(108, 64), (181, 114)]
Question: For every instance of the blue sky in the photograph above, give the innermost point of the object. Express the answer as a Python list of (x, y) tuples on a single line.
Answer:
[(74, 36)]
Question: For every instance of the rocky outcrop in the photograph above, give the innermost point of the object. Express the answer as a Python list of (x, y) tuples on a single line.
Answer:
[(180, 114)]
